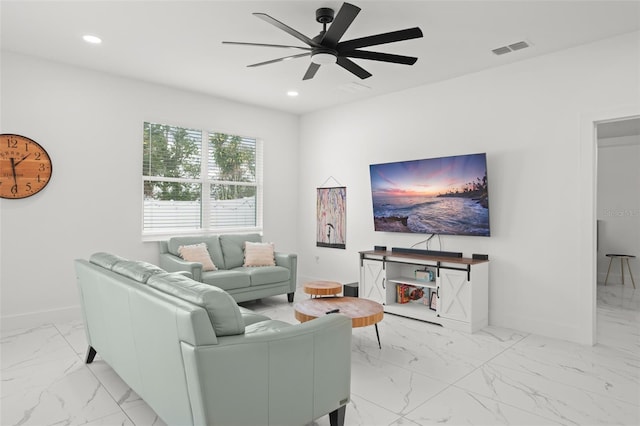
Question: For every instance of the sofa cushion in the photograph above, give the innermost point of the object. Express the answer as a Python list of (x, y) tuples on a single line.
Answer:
[(227, 280), (106, 260), (233, 248), (251, 317), (137, 270), (267, 326), (223, 311), (259, 254), (197, 253), (212, 242), (265, 274)]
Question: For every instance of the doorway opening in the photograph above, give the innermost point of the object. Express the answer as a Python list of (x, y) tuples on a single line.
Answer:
[(617, 201)]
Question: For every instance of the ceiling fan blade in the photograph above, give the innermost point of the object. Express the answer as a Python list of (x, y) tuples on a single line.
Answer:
[(241, 43), (273, 61), (311, 71), (377, 56), (287, 29), (374, 40), (353, 68), (340, 24)]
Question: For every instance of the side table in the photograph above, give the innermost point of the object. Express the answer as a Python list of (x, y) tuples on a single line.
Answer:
[(322, 288), (623, 258)]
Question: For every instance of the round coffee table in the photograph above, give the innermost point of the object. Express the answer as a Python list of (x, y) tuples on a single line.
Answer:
[(322, 288), (363, 312)]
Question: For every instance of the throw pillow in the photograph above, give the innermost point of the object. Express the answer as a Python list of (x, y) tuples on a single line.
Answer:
[(197, 253), (259, 254)]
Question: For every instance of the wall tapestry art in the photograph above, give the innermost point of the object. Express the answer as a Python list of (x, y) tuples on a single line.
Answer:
[(331, 216)]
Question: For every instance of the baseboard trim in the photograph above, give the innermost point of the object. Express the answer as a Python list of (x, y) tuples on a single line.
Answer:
[(36, 319), (542, 327)]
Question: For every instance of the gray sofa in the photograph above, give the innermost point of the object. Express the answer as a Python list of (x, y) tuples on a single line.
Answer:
[(227, 253), (196, 358)]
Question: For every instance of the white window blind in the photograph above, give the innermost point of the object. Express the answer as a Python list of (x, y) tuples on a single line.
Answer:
[(196, 180)]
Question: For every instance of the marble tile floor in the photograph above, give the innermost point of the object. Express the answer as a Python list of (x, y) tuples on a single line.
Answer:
[(423, 375)]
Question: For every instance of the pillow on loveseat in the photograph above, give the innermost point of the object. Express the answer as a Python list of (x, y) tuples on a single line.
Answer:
[(197, 253), (233, 248), (223, 310), (259, 254)]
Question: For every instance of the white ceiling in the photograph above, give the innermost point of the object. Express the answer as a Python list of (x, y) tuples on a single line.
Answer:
[(178, 43)]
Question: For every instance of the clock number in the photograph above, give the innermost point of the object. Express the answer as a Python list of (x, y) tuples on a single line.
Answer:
[(14, 189), (12, 143), (38, 155), (42, 168), (29, 186)]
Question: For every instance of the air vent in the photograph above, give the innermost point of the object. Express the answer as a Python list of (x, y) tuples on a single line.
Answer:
[(501, 50), (510, 48), (519, 45)]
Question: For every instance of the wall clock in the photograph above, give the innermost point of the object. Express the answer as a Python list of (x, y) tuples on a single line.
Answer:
[(25, 167)]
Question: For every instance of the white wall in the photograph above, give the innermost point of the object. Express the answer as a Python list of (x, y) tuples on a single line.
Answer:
[(527, 118), (91, 126), (619, 206)]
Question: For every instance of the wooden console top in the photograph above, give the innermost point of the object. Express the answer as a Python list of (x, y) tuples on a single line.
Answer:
[(413, 256)]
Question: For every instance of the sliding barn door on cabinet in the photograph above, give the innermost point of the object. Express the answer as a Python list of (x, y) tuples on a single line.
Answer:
[(454, 295), (372, 281)]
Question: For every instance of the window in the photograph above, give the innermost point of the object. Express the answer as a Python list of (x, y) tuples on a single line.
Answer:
[(194, 180)]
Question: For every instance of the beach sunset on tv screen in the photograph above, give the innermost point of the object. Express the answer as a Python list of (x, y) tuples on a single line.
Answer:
[(447, 196)]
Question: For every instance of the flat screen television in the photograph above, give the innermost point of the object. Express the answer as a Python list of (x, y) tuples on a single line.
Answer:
[(447, 195)]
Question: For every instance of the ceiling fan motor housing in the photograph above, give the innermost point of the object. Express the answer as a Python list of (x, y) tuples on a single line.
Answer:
[(324, 15)]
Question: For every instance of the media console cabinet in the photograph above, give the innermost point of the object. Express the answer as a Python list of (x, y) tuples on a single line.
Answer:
[(457, 298)]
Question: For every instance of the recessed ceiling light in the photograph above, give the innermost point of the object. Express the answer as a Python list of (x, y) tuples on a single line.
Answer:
[(292, 93), (92, 39)]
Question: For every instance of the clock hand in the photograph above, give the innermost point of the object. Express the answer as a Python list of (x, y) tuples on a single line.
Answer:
[(13, 170), (23, 158)]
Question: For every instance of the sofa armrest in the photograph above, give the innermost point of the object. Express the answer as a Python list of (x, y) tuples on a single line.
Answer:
[(289, 261), (171, 263), (291, 375)]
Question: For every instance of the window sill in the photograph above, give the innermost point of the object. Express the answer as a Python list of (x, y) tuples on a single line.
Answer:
[(165, 235)]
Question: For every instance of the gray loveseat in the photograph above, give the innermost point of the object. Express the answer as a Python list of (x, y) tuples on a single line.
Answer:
[(227, 253), (196, 358)]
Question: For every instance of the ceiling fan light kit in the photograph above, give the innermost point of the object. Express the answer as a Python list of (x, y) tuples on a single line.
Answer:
[(323, 58), (326, 48)]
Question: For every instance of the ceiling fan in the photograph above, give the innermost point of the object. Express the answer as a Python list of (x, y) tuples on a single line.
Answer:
[(326, 47)]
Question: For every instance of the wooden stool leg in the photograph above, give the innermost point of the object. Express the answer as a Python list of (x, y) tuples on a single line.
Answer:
[(608, 270), (630, 273)]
